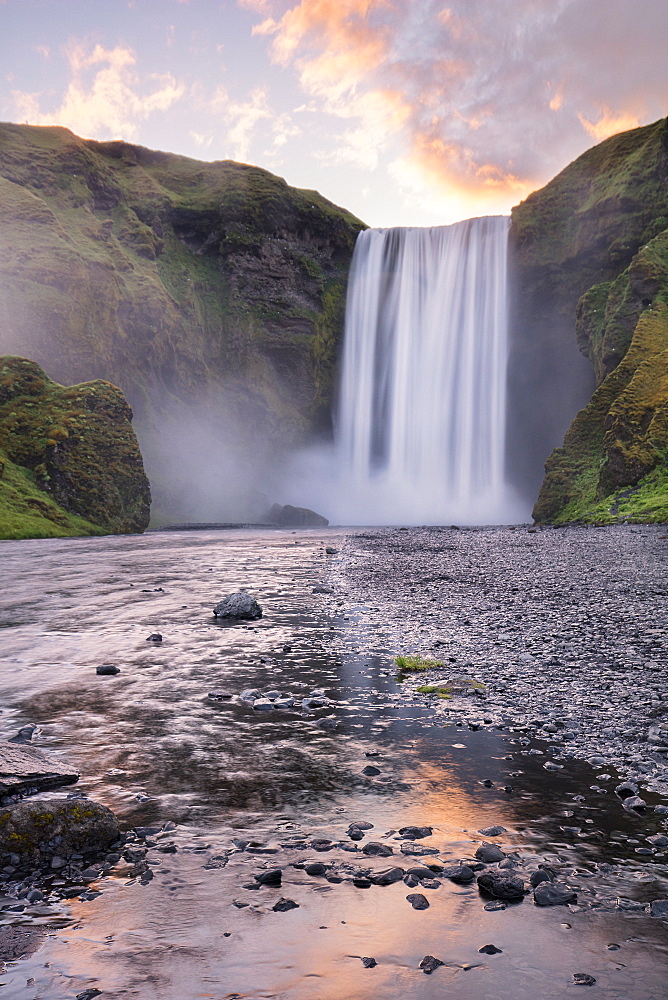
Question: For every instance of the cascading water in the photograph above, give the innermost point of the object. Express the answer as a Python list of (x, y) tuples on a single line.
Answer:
[(421, 418)]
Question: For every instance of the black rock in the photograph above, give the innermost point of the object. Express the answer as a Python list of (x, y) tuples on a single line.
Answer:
[(375, 850), (154, 637), (370, 770), (540, 876), (461, 874), (553, 894), (492, 831), (369, 963), (500, 885), (420, 871), (89, 994), (658, 840), (331, 551), (418, 901), (24, 735), (387, 876), (626, 789), (283, 905), (317, 868), (411, 881), (240, 605), (489, 853), (322, 845), (659, 908), (415, 832), (489, 949), (430, 883), (273, 876), (107, 669), (355, 833), (362, 883), (362, 825), (429, 964), (418, 850), (219, 695), (582, 979), (296, 517)]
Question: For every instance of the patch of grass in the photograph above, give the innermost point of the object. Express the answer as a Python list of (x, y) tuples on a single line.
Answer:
[(440, 692), (414, 664)]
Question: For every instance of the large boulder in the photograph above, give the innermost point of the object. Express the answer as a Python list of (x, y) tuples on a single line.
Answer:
[(39, 829), (240, 605), (287, 516), (24, 767)]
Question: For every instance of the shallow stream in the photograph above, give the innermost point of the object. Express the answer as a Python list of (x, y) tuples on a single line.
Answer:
[(227, 792)]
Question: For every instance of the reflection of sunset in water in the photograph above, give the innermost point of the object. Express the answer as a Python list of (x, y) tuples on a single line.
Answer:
[(151, 745)]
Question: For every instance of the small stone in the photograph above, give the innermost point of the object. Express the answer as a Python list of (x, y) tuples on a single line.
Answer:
[(321, 844), (331, 551), (492, 907), (489, 853), (368, 963), (553, 894), (411, 881), (354, 833), (238, 606), (250, 694), (539, 876), (659, 908), (263, 705), (154, 637), (489, 949), (492, 831), (582, 979), (89, 994), (283, 905), (418, 901), (107, 669), (429, 964), (658, 840), (219, 696), (461, 874), (271, 877), (370, 770), (387, 876), (317, 868), (500, 885), (634, 804), (415, 832), (375, 850), (417, 850)]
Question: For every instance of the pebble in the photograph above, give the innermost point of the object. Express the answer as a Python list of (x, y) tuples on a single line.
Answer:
[(418, 901), (219, 695), (368, 963), (154, 637), (271, 877), (489, 853), (553, 894), (489, 949), (107, 669), (387, 876), (376, 850), (429, 964), (283, 905), (582, 979), (492, 831), (500, 885)]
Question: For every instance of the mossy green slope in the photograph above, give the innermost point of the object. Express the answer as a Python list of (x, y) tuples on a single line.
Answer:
[(69, 459), (591, 250), (174, 279)]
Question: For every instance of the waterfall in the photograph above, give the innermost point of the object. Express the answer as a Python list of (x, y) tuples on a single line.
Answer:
[(421, 417)]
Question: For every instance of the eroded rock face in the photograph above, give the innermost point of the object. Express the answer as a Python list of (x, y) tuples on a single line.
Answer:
[(23, 767), (589, 265), (211, 293), (39, 829), (75, 444)]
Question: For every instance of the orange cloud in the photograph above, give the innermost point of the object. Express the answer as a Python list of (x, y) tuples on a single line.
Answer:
[(609, 124)]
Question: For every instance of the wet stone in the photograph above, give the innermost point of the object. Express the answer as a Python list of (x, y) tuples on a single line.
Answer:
[(283, 905), (239, 605), (271, 877), (411, 881), (461, 874), (417, 850), (154, 637), (107, 669), (219, 695), (500, 885), (317, 868), (387, 876), (497, 904), (489, 853), (492, 831), (430, 883), (553, 894), (322, 844), (583, 979), (376, 850), (368, 963), (489, 949), (371, 771), (540, 876), (429, 964), (659, 908), (418, 901), (415, 832)]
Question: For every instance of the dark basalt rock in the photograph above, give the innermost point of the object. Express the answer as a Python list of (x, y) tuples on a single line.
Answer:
[(287, 516), (553, 894), (107, 669), (376, 850), (369, 963), (659, 908), (42, 829), (489, 949), (461, 874), (501, 886), (272, 876), (23, 767), (489, 853), (429, 964), (283, 905), (418, 901), (415, 832), (240, 605), (387, 877)]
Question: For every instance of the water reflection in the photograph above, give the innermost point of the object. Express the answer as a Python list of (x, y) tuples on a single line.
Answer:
[(152, 745)]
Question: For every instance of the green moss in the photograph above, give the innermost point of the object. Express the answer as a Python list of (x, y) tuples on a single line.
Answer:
[(440, 692), (414, 664), (71, 464)]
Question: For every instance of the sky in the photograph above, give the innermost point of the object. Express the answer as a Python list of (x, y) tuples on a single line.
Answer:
[(405, 112)]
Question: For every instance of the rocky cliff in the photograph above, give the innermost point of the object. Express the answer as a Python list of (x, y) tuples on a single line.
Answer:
[(211, 293), (69, 459), (589, 266)]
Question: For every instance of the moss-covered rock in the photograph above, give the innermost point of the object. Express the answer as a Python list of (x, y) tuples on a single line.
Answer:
[(38, 829), (185, 283), (590, 267), (69, 459)]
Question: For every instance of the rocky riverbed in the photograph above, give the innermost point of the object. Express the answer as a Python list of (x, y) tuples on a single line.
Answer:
[(297, 822)]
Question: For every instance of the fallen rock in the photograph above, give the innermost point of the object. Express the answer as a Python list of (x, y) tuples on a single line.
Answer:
[(240, 605), (42, 829), (418, 901), (23, 767), (296, 517), (429, 964), (553, 894), (500, 885)]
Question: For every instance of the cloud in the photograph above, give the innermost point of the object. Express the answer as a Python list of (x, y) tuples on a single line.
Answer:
[(105, 97), (469, 98)]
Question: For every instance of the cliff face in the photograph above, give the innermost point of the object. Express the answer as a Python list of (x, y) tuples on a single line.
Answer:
[(212, 293), (589, 259), (69, 459)]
